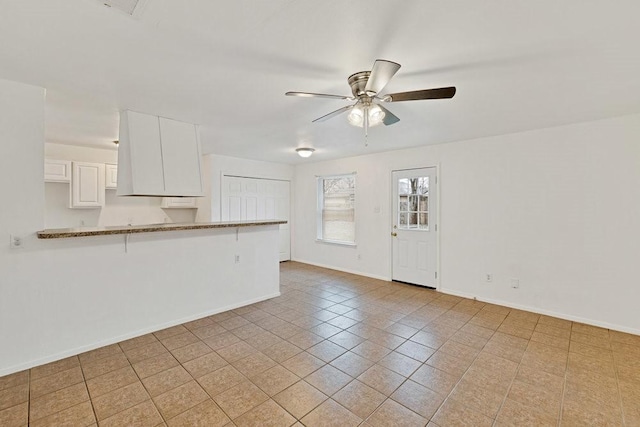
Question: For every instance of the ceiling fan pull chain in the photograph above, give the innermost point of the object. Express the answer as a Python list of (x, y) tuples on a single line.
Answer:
[(366, 126)]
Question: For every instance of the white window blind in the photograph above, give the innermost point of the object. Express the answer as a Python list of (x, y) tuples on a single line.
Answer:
[(336, 208)]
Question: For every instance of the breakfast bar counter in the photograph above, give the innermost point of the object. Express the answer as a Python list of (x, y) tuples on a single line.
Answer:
[(61, 233)]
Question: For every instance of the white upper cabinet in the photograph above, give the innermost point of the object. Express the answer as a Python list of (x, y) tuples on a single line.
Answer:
[(140, 170), (181, 157), (87, 185), (158, 157), (111, 176), (57, 171)]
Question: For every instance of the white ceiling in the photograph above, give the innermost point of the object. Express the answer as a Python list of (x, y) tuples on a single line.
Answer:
[(517, 65)]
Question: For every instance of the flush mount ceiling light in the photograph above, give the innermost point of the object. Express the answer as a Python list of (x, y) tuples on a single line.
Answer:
[(305, 152)]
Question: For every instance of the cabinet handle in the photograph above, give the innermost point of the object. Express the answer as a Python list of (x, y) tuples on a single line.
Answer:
[(394, 234)]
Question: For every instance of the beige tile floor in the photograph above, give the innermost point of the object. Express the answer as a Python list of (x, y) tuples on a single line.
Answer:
[(342, 350)]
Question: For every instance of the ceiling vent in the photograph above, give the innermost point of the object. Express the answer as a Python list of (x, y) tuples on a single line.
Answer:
[(126, 6)]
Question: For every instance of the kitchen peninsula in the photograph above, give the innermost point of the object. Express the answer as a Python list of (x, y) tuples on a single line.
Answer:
[(104, 285)]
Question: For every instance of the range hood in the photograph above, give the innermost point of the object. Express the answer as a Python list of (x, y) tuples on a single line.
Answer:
[(158, 157)]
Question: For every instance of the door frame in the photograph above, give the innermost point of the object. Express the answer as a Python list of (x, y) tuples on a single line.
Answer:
[(437, 224)]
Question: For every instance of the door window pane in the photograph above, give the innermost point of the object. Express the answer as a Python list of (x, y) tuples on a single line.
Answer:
[(413, 203)]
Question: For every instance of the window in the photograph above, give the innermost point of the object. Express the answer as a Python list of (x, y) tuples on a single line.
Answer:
[(336, 208), (413, 203)]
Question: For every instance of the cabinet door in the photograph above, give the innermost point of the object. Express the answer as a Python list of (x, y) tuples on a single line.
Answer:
[(145, 153), (179, 203), (87, 185), (57, 171), (181, 158), (111, 176)]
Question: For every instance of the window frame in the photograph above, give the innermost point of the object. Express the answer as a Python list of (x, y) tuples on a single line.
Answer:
[(320, 206)]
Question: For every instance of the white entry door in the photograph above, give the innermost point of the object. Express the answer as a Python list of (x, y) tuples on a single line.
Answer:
[(414, 226), (254, 198)]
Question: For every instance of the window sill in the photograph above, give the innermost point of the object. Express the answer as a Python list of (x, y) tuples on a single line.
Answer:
[(336, 242)]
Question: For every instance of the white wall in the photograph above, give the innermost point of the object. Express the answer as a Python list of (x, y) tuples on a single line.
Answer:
[(557, 208), (117, 210), (60, 297), (215, 166)]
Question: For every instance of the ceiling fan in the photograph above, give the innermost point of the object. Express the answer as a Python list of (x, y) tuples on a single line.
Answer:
[(366, 87)]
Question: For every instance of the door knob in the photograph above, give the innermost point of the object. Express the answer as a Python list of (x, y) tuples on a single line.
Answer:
[(394, 234)]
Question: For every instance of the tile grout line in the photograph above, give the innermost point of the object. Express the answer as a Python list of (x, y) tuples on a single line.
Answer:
[(424, 363), (192, 377), (140, 379), (615, 369), (514, 378), (93, 409), (29, 397), (468, 367), (564, 382)]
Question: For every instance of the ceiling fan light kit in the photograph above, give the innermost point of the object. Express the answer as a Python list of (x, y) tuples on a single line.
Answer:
[(305, 151), (372, 112), (366, 87)]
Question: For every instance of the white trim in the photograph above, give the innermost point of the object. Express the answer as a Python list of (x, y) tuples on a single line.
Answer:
[(78, 350), (545, 312), (254, 177), (339, 175), (337, 242), (345, 270), (438, 228)]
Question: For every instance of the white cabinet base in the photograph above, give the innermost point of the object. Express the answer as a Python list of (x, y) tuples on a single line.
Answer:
[(179, 203)]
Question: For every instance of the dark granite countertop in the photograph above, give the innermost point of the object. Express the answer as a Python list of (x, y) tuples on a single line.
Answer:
[(61, 233)]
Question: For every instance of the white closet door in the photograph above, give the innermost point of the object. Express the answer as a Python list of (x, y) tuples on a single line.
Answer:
[(257, 199)]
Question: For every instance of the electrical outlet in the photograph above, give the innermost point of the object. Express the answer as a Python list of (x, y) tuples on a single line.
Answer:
[(515, 283), (237, 259), (487, 277), (15, 242), (359, 257)]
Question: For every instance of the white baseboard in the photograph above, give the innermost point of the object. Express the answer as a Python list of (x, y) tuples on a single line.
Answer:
[(545, 312), (109, 341), (494, 301), (344, 270)]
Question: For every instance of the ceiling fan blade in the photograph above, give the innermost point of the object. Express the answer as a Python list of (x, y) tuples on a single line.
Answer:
[(318, 95), (333, 114), (381, 73), (440, 93), (389, 117)]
